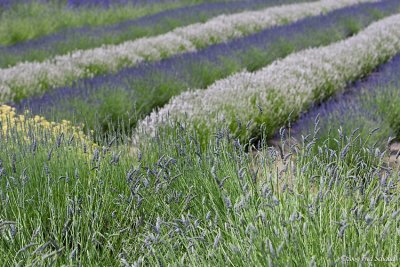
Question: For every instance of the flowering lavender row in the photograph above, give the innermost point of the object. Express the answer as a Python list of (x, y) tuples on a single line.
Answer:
[(359, 106), (147, 86), (83, 3), (88, 37), (109, 3), (27, 79), (98, 3), (5, 4), (287, 86)]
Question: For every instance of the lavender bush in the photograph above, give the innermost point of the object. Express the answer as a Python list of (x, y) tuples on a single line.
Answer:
[(368, 104)]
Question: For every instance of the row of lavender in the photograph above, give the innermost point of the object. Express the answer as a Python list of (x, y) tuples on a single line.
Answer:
[(84, 3), (286, 87), (26, 79), (138, 90), (369, 104), (110, 3), (86, 37)]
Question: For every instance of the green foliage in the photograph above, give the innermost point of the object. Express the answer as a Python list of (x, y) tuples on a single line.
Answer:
[(388, 107), (367, 111), (352, 25)]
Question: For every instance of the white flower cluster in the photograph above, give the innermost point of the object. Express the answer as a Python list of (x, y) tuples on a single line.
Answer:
[(288, 85), (28, 78)]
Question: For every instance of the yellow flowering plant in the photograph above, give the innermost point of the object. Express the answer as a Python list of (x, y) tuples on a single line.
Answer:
[(27, 125)]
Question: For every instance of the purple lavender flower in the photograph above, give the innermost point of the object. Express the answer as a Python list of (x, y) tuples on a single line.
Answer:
[(351, 106), (110, 3)]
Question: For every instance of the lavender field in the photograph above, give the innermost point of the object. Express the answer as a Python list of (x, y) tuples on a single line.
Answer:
[(200, 133)]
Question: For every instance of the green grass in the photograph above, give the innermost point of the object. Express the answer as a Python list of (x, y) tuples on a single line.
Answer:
[(370, 109), (170, 201), (388, 107)]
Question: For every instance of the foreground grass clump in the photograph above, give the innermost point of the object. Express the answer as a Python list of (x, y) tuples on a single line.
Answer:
[(172, 201)]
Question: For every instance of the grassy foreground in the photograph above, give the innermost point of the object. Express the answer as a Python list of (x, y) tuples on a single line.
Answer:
[(172, 201)]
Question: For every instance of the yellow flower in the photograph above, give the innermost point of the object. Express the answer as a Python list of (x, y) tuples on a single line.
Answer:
[(9, 121)]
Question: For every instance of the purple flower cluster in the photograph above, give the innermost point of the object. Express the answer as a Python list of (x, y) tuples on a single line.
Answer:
[(356, 106), (109, 3), (5, 3), (9, 3), (86, 3), (152, 84)]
